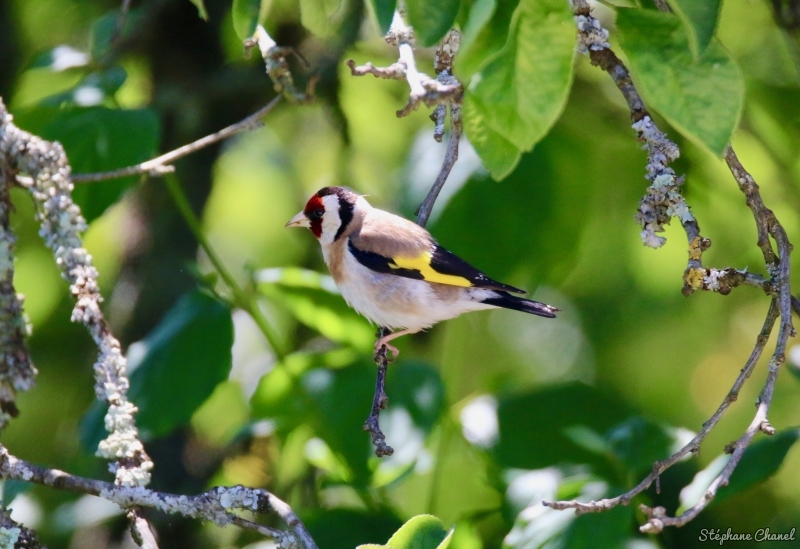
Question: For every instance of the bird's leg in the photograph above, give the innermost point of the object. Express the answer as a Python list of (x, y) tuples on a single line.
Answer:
[(384, 341)]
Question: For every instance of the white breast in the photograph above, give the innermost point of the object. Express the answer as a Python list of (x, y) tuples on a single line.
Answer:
[(396, 302)]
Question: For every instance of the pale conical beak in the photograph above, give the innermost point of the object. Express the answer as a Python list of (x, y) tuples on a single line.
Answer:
[(300, 220)]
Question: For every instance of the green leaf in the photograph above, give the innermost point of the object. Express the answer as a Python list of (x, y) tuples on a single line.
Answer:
[(175, 368), (334, 403), (318, 15), (498, 155), (759, 462), (522, 91), (418, 388), (538, 527), (201, 9), (105, 28), (480, 14), (692, 492), (384, 12), (420, 532), (549, 412), (348, 528), (314, 300), (60, 58), (97, 139), (546, 189), (12, 488), (700, 20), (485, 33), (92, 90), (638, 442), (431, 20), (247, 14), (685, 90)]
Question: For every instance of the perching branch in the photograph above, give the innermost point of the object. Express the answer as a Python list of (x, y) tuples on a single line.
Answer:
[(216, 505), (379, 402), (442, 92), (721, 281), (163, 164)]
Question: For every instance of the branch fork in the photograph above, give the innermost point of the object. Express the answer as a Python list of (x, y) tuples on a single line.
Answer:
[(663, 201), (278, 68)]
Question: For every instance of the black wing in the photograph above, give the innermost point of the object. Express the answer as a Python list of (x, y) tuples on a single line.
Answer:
[(436, 265)]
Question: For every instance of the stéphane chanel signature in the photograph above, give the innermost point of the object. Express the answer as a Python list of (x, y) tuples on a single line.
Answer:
[(762, 534)]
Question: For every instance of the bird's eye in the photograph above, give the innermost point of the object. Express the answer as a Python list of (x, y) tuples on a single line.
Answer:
[(317, 214)]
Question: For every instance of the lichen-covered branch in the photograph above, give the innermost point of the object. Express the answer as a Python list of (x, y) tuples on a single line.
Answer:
[(723, 281), (46, 176), (17, 372), (216, 505), (663, 199), (278, 68), (140, 530), (15, 535)]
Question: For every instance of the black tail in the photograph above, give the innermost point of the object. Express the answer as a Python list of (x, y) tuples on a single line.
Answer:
[(508, 301)]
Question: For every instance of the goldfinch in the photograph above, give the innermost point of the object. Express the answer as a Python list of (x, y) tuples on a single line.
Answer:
[(393, 272)]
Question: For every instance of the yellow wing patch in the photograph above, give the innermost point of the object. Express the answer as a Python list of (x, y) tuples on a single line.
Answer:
[(422, 263)]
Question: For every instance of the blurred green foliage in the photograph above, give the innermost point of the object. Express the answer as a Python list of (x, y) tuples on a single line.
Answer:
[(489, 414)]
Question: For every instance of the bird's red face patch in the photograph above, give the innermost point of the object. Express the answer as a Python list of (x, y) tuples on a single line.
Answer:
[(314, 211)]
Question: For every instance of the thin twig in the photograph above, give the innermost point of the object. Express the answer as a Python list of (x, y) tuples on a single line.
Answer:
[(693, 446), (215, 505), (723, 281), (779, 268), (443, 63), (765, 218), (379, 401), (162, 164)]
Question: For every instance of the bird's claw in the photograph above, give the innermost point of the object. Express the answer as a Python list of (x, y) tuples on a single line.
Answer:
[(390, 349)]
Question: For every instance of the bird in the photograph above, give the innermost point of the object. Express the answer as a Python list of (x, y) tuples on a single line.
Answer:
[(394, 273)]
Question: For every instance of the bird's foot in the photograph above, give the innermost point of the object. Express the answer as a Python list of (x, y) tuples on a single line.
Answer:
[(382, 342)]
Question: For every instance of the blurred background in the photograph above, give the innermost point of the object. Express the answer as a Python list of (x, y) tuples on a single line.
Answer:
[(489, 413)]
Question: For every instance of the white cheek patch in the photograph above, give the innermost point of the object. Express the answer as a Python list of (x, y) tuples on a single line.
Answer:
[(331, 220)]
